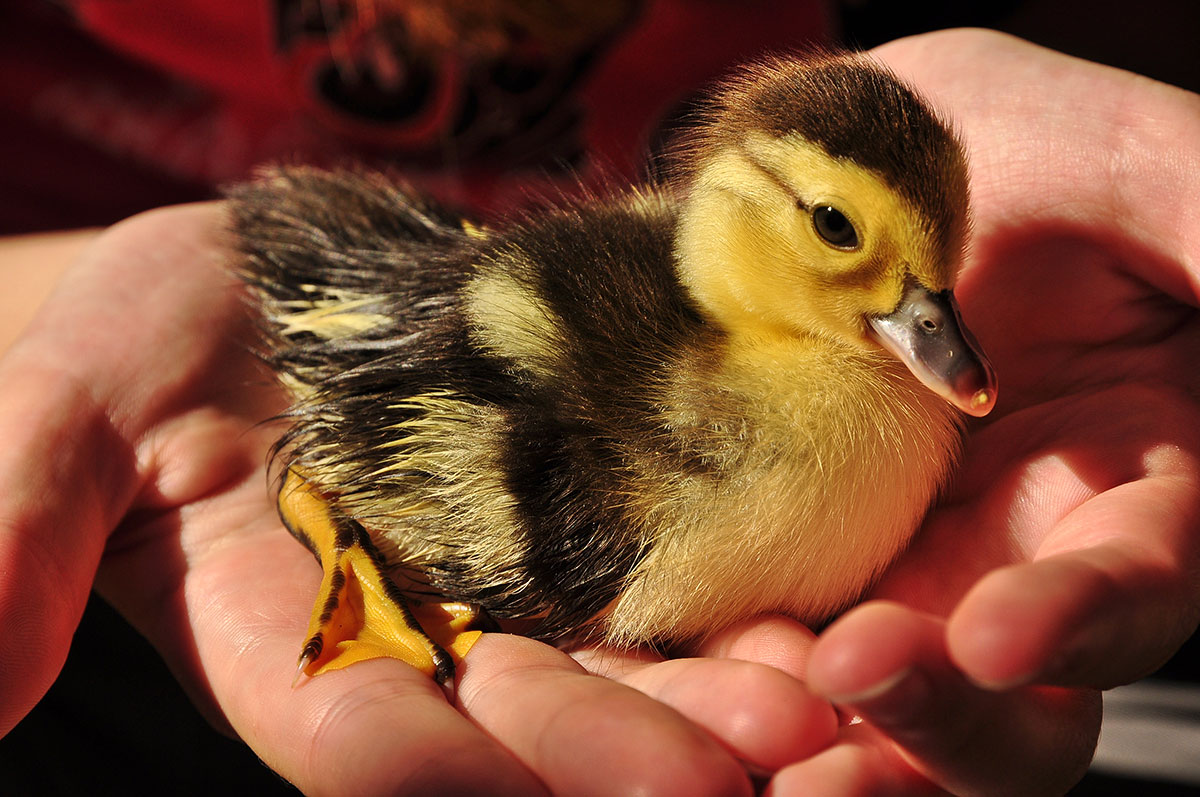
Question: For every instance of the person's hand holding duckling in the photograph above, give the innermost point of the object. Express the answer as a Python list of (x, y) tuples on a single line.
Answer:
[(1063, 561), (1062, 555)]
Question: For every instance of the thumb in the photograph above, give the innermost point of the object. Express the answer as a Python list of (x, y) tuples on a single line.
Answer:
[(65, 476), (74, 401), (889, 664)]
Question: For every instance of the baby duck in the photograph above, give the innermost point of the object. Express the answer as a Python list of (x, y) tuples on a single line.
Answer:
[(637, 418)]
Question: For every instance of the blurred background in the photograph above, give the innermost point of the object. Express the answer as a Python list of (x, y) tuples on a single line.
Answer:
[(109, 107)]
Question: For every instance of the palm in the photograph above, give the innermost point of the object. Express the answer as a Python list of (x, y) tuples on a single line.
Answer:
[(1061, 554), (1093, 366), (1076, 287)]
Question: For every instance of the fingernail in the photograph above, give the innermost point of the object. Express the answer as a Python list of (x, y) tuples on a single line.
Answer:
[(893, 699), (1052, 668), (1001, 684), (875, 690)]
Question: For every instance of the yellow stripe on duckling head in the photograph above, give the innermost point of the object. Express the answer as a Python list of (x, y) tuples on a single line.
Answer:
[(751, 254)]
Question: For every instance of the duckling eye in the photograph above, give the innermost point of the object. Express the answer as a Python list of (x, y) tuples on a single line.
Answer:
[(834, 228)]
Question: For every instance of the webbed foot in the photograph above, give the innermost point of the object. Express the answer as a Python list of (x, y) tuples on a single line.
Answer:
[(360, 614)]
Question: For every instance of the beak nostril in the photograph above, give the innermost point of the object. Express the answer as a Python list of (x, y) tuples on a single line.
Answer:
[(926, 333)]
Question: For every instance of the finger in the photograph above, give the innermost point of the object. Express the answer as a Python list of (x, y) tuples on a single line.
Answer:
[(615, 663), (379, 727), (763, 715), (774, 640), (1111, 591), (864, 763), (56, 507), (889, 664), (1098, 617), (582, 734)]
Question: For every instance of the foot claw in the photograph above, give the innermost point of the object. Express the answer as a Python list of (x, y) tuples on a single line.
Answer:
[(304, 662), (310, 653)]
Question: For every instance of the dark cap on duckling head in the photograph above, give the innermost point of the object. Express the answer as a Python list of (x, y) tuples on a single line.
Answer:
[(866, 116)]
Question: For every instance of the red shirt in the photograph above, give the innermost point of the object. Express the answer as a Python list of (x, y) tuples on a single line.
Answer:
[(108, 107)]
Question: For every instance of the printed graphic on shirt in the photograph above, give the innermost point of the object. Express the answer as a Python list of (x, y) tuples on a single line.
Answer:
[(448, 83)]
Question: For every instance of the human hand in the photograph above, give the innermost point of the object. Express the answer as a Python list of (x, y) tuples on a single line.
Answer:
[(135, 459), (1065, 558)]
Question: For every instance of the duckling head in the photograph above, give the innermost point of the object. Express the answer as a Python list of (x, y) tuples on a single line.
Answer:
[(824, 198)]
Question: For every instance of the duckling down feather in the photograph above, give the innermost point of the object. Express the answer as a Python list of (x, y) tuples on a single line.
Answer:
[(547, 417)]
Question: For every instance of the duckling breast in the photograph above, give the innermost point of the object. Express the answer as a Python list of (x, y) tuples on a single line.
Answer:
[(820, 464)]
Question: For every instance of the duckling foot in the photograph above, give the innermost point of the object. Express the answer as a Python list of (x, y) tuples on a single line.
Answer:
[(360, 614)]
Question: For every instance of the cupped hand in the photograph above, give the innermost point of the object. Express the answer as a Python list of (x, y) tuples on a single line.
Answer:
[(1064, 558), (134, 458)]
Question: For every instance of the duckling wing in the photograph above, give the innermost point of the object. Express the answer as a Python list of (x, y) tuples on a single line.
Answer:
[(479, 403), (342, 264), (584, 311)]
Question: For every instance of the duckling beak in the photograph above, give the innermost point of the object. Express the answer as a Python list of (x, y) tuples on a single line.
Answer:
[(927, 334)]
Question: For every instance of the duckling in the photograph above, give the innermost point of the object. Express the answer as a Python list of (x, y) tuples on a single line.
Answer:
[(637, 417)]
